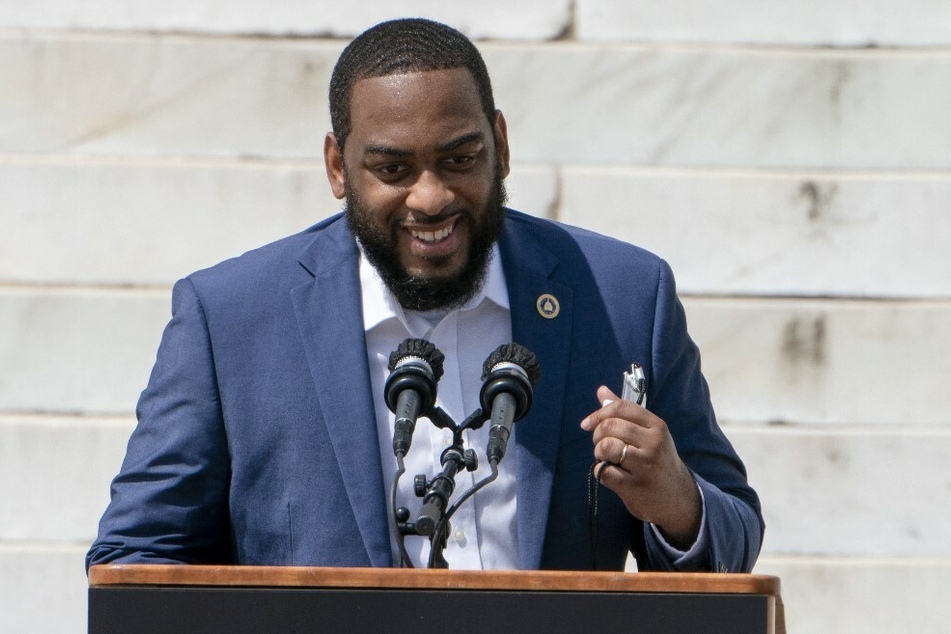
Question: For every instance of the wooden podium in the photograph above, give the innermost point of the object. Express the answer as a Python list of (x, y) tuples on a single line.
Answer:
[(149, 599)]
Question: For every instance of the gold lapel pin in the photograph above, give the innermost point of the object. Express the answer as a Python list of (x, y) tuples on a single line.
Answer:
[(548, 306)]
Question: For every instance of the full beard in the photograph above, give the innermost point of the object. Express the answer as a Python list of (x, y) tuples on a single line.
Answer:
[(415, 292)]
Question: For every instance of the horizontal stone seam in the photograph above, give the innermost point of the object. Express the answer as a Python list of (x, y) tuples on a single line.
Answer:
[(486, 44)]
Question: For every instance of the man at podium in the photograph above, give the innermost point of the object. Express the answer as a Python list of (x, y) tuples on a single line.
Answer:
[(264, 436)]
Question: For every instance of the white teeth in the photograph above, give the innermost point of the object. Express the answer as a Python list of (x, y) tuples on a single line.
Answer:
[(432, 236)]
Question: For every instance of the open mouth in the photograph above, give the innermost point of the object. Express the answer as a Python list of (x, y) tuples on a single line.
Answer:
[(431, 235)]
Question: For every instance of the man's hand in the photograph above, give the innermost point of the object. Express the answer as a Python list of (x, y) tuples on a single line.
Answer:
[(644, 468)]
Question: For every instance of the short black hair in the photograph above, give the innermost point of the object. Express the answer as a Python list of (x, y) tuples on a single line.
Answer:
[(403, 46)]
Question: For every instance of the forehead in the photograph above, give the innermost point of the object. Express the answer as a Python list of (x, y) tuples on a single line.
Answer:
[(415, 106)]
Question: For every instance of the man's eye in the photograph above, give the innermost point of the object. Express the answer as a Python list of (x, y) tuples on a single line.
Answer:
[(393, 169), (461, 160)]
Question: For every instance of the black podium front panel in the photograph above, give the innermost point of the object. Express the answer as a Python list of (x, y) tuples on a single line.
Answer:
[(239, 610)]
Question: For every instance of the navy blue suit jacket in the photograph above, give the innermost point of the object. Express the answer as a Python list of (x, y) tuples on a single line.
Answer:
[(257, 442)]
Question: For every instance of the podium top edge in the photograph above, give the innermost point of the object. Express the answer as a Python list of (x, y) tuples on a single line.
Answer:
[(320, 577)]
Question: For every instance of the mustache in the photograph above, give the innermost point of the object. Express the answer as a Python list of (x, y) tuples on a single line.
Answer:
[(430, 221)]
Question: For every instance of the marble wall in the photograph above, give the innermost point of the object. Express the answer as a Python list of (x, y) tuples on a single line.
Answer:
[(792, 161)]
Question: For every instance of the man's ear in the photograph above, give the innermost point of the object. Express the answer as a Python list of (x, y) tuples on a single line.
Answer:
[(333, 161), (501, 142)]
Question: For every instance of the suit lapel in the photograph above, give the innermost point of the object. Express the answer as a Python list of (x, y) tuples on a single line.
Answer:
[(329, 314), (528, 267)]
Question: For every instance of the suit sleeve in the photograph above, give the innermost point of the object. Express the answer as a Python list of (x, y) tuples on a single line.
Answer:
[(733, 524), (169, 503)]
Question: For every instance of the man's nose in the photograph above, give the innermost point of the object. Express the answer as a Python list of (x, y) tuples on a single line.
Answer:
[(429, 194)]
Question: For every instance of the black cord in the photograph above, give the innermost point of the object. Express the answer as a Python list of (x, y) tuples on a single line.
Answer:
[(594, 488), (405, 561), (441, 526), (594, 483)]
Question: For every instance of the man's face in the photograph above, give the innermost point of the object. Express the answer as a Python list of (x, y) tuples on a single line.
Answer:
[(422, 173)]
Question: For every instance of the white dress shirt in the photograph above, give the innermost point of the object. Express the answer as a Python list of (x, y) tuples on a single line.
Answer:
[(484, 533)]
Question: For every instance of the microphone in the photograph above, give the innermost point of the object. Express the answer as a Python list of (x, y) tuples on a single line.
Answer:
[(508, 375), (410, 390)]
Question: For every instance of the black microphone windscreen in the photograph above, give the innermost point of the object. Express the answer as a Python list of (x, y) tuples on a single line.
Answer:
[(516, 354), (422, 349)]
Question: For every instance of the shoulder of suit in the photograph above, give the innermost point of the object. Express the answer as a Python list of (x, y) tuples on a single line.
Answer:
[(598, 249), (281, 258)]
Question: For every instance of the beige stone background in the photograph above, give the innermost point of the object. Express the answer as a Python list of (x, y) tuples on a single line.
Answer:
[(792, 160)]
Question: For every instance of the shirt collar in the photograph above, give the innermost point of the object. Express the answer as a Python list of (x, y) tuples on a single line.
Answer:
[(379, 304)]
